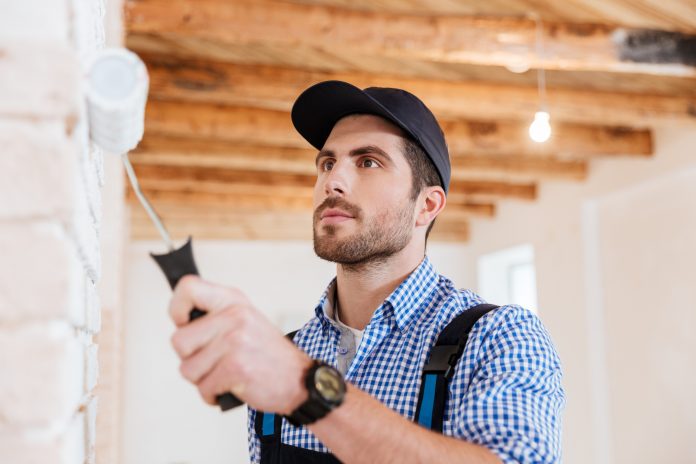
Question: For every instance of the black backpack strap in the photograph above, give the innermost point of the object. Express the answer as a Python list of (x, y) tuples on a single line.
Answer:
[(291, 335), (440, 367), (267, 425)]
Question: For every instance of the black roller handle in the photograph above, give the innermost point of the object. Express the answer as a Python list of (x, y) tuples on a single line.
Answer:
[(175, 265)]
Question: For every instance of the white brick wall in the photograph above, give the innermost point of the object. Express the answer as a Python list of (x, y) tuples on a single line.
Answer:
[(50, 215)]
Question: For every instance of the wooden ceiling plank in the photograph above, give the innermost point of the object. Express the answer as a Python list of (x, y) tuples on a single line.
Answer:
[(182, 151), (224, 201), (235, 226), (254, 126), (511, 168), (457, 39), (276, 88), (349, 61), (664, 14)]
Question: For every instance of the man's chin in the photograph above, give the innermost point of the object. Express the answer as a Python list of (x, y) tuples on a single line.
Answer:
[(331, 231), (329, 247)]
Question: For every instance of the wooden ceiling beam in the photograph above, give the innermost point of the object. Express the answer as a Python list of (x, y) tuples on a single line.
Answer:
[(276, 88), (667, 14), (185, 151), (517, 168), (451, 39), (254, 126), (221, 200), (245, 225)]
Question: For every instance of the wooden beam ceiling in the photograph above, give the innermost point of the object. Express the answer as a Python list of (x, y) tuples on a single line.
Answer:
[(172, 46), (665, 14), (220, 158), (449, 39), (276, 88)]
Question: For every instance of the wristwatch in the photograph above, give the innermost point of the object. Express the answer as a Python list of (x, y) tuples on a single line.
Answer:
[(326, 389)]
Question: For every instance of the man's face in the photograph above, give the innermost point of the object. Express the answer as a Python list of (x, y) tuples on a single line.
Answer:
[(362, 199)]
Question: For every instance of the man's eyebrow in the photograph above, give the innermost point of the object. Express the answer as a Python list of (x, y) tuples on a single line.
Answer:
[(355, 152), (370, 149)]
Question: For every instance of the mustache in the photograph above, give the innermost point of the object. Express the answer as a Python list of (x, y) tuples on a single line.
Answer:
[(337, 202)]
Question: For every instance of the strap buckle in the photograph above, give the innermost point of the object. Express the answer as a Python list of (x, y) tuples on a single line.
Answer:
[(442, 360)]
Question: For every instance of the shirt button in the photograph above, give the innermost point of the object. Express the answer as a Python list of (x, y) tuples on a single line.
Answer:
[(342, 350)]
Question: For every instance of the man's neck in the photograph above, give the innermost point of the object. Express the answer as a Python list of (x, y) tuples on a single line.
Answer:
[(362, 289)]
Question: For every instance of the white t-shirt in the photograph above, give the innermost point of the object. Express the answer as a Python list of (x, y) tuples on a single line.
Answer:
[(350, 338), (357, 334)]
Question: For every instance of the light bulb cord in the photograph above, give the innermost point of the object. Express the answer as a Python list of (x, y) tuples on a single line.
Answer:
[(541, 71)]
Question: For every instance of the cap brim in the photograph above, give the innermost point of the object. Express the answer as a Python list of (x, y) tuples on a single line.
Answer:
[(317, 110)]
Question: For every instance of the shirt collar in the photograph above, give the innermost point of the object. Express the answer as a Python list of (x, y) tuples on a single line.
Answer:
[(325, 306), (403, 303), (408, 298)]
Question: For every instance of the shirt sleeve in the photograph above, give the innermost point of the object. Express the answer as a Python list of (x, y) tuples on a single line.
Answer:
[(513, 402), (254, 442)]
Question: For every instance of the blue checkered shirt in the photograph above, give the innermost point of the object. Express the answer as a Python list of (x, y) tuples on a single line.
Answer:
[(505, 394)]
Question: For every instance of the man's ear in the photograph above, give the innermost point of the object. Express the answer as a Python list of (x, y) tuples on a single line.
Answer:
[(431, 201)]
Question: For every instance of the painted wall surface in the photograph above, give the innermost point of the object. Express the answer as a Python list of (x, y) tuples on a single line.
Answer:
[(648, 248), (165, 421), (51, 179)]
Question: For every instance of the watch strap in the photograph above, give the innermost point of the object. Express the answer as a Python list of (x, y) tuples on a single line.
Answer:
[(315, 407)]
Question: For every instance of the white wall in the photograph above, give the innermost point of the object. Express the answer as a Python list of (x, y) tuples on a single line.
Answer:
[(50, 221), (648, 248), (609, 252), (164, 419)]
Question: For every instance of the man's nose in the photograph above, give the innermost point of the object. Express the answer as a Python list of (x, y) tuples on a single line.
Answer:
[(336, 181)]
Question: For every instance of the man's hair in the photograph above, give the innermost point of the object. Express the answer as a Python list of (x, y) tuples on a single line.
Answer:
[(423, 172)]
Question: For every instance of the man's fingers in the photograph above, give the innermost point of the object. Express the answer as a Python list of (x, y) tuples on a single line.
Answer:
[(195, 367), (194, 292), (225, 377), (190, 338)]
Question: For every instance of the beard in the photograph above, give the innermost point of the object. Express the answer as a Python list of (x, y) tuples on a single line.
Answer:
[(375, 240)]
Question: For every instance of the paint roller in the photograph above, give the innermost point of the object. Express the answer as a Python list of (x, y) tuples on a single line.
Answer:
[(116, 88)]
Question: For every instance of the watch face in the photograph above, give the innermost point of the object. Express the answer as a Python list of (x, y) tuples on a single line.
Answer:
[(329, 384)]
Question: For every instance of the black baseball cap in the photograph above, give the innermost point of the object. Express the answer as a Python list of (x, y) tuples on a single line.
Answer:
[(319, 108)]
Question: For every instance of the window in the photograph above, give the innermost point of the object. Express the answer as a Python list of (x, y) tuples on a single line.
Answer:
[(508, 277)]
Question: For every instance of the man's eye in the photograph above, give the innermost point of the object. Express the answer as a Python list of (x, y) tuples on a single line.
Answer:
[(369, 163), (327, 165)]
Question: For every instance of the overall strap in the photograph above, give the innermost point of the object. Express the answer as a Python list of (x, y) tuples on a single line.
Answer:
[(268, 425), (440, 367)]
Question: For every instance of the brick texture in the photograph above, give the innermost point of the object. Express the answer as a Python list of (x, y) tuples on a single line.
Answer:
[(39, 80), (50, 215), (40, 168), (36, 20), (43, 375), (41, 277)]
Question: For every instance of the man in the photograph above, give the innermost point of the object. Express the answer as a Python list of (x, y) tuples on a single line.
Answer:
[(383, 173)]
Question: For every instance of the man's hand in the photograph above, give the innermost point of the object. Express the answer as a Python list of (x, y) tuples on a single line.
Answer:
[(235, 348)]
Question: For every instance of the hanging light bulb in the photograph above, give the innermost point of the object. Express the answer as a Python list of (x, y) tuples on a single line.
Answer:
[(540, 129)]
